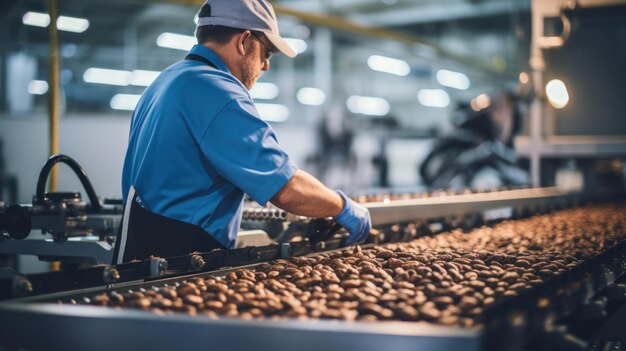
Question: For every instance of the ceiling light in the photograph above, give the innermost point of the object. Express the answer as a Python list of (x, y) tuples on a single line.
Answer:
[(37, 87), (523, 77), (264, 91), (367, 105), (480, 102), (107, 76), (298, 45), (557, 93), (388, 65), (273, 112), (143, 78), (64, 23), (176, 41), (72, 24), (124, 101), (311, 96), (453, 79), (36, 19), (433, 98)]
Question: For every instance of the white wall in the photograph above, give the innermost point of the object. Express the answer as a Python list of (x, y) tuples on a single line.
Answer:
[(98, 143)]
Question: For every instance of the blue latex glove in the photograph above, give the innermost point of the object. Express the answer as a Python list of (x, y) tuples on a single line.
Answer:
[(355, 218)]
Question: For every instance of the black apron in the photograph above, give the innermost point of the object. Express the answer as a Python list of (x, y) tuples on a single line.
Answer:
[(143, 234)]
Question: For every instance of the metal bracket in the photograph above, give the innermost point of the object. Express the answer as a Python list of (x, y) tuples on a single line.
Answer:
[(286, 250), (157, 266)]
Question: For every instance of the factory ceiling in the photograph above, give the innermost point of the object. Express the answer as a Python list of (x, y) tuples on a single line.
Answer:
[(488, 36)]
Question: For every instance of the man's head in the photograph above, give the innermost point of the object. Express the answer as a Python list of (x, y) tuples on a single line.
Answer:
[(244, 33)]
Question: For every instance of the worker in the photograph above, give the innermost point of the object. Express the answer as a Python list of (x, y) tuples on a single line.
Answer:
[(197, 145)]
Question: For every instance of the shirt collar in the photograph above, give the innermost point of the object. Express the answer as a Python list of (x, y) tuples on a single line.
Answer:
[(210, 55)]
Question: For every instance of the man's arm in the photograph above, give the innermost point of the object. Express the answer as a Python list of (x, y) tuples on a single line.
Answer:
[(304, 195)]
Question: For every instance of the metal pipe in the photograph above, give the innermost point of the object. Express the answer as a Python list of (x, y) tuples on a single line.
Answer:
[(53, 92), (47, 169)]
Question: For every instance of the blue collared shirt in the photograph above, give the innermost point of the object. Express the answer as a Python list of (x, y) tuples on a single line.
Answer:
[(197, 144)]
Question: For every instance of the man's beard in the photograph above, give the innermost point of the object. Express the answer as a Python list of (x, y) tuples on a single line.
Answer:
[(248, 77)]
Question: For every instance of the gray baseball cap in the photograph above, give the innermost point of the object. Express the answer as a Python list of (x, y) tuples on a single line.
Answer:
[(257, 15)]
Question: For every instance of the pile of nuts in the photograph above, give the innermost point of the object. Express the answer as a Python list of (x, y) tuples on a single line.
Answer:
[(447, 279)]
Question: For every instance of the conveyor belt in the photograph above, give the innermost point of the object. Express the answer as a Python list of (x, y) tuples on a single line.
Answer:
[(395, 211), (75, 327), (401, 211), (508, 324)]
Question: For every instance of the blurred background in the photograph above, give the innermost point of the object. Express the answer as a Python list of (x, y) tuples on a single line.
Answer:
[(385, 94)]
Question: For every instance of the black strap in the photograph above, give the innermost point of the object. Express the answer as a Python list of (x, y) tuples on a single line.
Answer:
[(200, 58)]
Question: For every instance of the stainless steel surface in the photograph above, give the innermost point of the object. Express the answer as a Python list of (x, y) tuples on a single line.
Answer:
[(94, 328), (93, 251), (572, 146), (399, 211), (247, 238)]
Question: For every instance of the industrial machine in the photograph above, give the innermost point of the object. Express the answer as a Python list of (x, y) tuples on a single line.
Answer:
[(590, 293), (82, 233)]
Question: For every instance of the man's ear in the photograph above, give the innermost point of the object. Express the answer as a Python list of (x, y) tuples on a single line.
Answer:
[(241, 40)]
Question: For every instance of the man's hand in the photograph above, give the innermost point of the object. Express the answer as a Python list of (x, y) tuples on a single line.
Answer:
[(355, 218)]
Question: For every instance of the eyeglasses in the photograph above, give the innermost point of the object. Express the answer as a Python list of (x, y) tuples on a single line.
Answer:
[(268, 52)]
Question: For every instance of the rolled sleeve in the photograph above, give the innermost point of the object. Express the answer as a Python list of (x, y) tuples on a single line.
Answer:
[(244, 150)]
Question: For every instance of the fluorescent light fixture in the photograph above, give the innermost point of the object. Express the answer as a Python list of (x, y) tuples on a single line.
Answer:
[(367, 105), (273, 112), (36, 19), (298, 45), (480, 102), (143, 78), (107, 76), (557, 93), (433, 98), (388, 65), (65, 23), (176, 41), (37, 87), (264, 91), (453, 79), (124, 101), (72, 24), (311, 96)]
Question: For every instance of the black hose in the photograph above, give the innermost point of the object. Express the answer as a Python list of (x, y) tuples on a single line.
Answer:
[(40, 196)]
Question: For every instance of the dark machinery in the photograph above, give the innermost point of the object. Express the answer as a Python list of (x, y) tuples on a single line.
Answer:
[(62, 214), (82, 233)]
